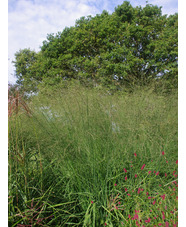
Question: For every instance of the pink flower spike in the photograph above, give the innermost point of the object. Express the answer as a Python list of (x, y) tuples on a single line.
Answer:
[(177, 162), (92, 202), (129, 216), (143, 166), (125, 170), (157, 173), (163, 153), (115, 184), (105, 223), (166, 224), (128, 194), (160, 224), (166, 161), (136, 175), (165, 175), (149, 172), (147, 193), (154, 202), (149, 197), (135, 154), (126, 178), (126, 189)]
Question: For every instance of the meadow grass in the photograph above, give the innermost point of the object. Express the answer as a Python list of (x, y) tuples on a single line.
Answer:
[(86, 158)]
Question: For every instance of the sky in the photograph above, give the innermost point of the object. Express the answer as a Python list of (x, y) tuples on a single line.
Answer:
[(29, 21)]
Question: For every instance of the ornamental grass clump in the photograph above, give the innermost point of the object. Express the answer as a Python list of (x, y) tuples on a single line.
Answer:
[(67, 166)]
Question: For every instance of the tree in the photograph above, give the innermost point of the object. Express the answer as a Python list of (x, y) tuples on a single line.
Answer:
[(133, 45)]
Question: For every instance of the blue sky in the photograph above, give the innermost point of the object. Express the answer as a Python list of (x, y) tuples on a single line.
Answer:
[(29, 21)]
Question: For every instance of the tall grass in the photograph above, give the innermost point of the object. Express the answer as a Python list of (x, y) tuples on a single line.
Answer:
[(77, 160)]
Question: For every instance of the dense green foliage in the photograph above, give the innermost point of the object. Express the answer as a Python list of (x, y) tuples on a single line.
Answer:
[(75, 159), (133, 45)]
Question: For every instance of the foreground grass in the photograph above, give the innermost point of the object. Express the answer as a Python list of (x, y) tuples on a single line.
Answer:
[(83, 158)]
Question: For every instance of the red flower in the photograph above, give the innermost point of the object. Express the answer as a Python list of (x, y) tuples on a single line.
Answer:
[(115, 184), (125, 170), (149, 172), (126, 178), (136, 175), (165, 174), (92, 202), (154, 202), (143, 166), (136, 216), (128, 194), (177, 162), (147, 221), (166, 224), (126, 189), (163, 196), (163, 152), (157, 173), (129, 216), (149, 197), (135, 154), (105, 223), (163, 215), (160, 224)]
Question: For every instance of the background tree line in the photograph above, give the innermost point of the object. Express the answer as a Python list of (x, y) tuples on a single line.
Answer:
[(131, 46)]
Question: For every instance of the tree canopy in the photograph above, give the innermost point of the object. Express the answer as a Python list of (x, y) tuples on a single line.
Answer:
[(133, 45)]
